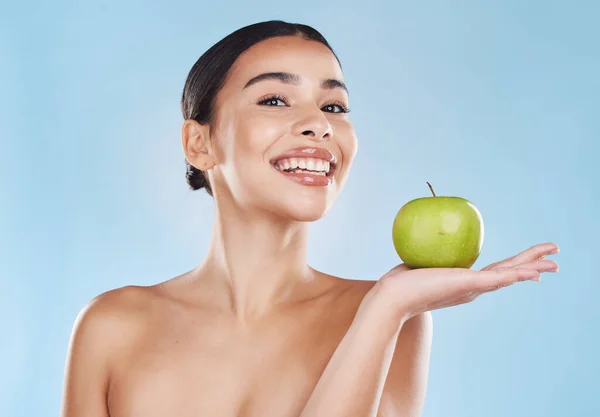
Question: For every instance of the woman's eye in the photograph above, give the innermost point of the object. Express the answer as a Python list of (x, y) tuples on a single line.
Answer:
[(329, 108), (272, 101)]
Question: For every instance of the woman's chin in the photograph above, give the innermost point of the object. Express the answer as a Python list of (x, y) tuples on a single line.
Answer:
[(307, 212), (308, 217), (307, 204)]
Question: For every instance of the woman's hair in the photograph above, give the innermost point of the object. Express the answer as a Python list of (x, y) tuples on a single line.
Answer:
[(208, 75)]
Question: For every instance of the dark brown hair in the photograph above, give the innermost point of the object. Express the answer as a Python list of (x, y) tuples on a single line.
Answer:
[(208, 75)]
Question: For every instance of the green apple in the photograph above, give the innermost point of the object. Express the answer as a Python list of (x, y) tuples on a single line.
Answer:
[(438, 232)]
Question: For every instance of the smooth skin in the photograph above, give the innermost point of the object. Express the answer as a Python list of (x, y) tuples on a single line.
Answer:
[(253, 330)]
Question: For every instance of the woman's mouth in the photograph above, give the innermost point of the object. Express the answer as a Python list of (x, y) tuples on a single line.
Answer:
[(307, 166)]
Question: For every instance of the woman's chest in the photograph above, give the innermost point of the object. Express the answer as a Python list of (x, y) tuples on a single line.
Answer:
[(215, 370)]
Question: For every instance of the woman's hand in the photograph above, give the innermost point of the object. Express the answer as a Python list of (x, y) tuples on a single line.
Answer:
[(410, 292)]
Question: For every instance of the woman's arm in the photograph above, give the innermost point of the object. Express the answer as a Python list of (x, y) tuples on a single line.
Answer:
[(102, 329), (353, 381), (406, 383), (86, 376)]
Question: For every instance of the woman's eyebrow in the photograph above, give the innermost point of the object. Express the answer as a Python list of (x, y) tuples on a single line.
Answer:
[(287, 78)]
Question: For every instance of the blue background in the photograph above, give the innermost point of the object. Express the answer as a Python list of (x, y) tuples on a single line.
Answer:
[(494, 101)]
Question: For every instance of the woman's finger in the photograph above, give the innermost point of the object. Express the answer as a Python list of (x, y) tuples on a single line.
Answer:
[(502, 277), (521, 272), (535, 252), (540, 265)]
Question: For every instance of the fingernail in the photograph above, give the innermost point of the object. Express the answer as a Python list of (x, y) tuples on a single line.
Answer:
[(554, 251), (537, 278)]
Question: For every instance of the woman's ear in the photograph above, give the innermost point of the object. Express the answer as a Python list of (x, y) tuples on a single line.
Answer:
[(195, 139)]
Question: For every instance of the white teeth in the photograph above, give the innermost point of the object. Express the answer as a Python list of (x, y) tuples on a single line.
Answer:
[(302, 171), (306, 165)]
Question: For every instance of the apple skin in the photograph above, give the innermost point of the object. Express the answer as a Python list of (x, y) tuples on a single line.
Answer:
[(438, 232)]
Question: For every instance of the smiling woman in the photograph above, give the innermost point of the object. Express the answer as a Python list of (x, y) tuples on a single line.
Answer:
[(273, 87), (253, 330), (209, 73)]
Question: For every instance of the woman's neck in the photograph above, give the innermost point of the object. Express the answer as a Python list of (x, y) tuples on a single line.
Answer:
[(256, 261)]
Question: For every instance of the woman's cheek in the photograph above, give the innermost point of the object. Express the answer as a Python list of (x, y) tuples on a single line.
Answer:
[(347, 141), (262, 132)]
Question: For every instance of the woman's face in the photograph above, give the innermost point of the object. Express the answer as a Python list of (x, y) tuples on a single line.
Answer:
[(283, 143)]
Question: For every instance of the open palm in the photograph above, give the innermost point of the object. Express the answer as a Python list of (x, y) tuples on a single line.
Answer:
[(413, 291)]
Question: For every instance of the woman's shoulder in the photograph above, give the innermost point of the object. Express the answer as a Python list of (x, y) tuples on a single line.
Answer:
[(352, 286), (349, 293), (106, 325), (120, 302), (115, 312)]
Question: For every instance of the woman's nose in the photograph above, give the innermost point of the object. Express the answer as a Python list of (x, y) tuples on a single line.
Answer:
[(315, 126)]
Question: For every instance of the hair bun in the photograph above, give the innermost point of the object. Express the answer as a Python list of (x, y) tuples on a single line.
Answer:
[(196, 179)]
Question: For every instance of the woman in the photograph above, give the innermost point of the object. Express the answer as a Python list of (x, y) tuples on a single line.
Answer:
[(253, 330)]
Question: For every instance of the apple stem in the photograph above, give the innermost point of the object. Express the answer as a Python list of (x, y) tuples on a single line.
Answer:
[(431, 188)]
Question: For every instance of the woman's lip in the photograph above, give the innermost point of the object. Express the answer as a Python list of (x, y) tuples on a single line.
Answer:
[(307, 179), (307, 152)]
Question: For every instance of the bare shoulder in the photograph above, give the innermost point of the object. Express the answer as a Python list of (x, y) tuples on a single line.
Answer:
[(117, 307), (103, 328), (351, 290), (112, 319), (111, 316), (345, 296)]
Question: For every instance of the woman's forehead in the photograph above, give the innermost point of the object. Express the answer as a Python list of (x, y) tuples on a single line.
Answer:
[(289, 54)]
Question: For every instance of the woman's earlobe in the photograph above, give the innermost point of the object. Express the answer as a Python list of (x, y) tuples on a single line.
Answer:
[(207, 164), (202, 161)]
